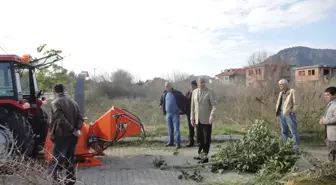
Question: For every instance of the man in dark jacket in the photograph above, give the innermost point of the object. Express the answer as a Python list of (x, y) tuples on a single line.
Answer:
[(191, 127), (173, 104), (65, 126)]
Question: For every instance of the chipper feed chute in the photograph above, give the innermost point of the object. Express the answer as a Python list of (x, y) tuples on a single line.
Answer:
[(96, 137)]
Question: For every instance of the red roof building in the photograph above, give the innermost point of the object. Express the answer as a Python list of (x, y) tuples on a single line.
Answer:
[(232, 76)]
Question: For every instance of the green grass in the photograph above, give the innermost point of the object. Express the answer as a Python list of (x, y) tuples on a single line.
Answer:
[(158, 130)]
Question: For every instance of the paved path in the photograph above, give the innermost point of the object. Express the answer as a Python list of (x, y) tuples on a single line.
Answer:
[(130, 165), (134, 166)]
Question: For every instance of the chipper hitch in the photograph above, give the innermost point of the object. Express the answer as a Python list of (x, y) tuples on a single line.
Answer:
[(96, 137)]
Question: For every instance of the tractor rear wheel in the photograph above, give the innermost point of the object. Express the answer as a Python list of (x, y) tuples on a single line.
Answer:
[(20, 129)]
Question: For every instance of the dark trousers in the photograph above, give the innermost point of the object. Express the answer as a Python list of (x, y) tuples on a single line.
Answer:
[(64, 158), (204, 133), (331, 145), (191, 131)]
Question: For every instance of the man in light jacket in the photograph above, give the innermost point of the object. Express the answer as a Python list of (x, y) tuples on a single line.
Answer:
[(286, 109), (329, 120), (203, 109)]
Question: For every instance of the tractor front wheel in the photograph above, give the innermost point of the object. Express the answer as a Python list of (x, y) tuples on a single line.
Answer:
[(20, 129)]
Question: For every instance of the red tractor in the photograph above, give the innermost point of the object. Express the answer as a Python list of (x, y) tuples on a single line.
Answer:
[(23, 123)]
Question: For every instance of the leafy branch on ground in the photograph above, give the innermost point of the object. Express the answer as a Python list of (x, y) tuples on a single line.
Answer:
[(260, 151), (195, 175), (159, 161)]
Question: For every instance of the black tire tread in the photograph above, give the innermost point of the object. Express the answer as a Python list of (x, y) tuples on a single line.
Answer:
[(22, 132)]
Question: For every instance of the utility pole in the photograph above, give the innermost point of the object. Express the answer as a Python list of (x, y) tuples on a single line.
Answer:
[(94, 73), (94, 78)]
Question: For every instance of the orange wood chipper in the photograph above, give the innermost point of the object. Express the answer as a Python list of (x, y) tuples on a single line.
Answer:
[(114, 125)]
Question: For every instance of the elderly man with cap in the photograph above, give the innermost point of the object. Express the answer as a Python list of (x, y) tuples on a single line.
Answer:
[(193, 86), (173, 104), (286, 109)]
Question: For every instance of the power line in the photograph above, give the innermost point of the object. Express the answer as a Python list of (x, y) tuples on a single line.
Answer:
[(3, 50)]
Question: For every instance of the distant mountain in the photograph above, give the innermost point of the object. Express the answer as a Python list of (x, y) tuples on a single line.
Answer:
[(304, 56)]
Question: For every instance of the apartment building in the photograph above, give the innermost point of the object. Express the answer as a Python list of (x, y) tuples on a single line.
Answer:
[(262, 74), (317, 73)]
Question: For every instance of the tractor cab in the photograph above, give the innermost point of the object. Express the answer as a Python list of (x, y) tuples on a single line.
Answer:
[(18, 77), (18, 80), (20, 104)]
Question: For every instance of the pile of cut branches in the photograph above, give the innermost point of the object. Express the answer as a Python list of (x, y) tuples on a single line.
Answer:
[(260, 151)]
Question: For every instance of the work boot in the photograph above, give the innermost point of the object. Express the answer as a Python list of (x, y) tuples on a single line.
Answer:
[(168, 145), (205, 160), (332, 156), (191, 144), (197, 158)]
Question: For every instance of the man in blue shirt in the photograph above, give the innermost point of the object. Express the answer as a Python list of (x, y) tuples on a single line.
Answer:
[(173, 104)]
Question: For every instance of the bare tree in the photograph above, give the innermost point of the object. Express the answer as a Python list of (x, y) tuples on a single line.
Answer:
[(258, 57), (176, 76)]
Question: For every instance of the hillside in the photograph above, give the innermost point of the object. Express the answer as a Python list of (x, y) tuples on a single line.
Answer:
[(304, 56)]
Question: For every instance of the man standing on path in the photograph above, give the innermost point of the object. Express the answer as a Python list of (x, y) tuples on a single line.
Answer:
[(65, 126), (188, 110), (173, 104), (203, 109), (329, 120), (286, 109)]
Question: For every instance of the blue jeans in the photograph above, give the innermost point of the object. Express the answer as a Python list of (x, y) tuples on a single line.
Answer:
[(289, 124), (173, 122)]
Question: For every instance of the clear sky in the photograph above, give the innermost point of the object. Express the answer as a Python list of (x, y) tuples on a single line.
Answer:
[(150, 38)]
